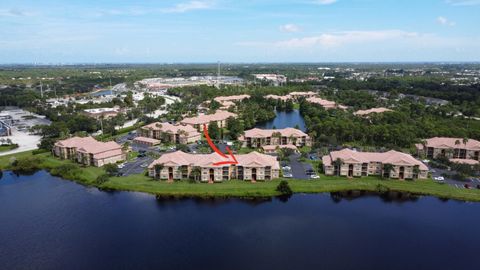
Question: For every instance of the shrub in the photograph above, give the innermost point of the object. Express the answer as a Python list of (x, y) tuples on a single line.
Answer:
[(284, 188), (111, 169), (101, 179), (26, 164), (382, 189), (39, 151), (66, 171)]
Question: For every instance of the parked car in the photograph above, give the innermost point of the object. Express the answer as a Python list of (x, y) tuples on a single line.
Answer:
[(467, 186), (286, 168), (287, 175), (144, 165), (439, 178), (314, 176), (478, 186), (121, 166)]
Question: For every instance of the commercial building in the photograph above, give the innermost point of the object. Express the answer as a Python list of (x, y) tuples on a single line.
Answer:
[(454, 148), (288, 136), (102, 112), (179, 165), (166, 132), (220, 117), (276, 79), (391, 164), (89, 151)]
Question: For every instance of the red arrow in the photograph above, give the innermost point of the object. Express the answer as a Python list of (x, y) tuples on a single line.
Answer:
[(212, 145)]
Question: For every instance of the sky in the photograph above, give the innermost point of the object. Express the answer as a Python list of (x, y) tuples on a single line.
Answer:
[(245, 31)]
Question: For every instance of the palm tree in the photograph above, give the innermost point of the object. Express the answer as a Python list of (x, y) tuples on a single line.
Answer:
[(196, 173), (465, 141), (338, 165), (387, 168), (457, 142), (416, 171), (158, 169)]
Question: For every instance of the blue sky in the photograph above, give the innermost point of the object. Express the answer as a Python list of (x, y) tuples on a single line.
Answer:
[(165, 31)]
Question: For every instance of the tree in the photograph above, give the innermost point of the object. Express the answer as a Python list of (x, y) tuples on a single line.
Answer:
[(284, 188), (214, 130), (387, 169), (158, 169), (234, 127), (196, 173), (111, 169), (416, 171), (338, 165)]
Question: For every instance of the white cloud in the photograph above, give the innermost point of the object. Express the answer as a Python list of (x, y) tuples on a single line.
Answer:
[(289, 28), (335, 39), (463, 2), (189, 6), (324, 2), (444, 21)]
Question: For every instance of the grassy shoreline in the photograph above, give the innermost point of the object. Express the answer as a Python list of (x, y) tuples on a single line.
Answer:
[(237, 188)]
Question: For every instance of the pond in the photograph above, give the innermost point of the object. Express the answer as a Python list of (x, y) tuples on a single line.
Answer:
[(50, 223), (284, 120)]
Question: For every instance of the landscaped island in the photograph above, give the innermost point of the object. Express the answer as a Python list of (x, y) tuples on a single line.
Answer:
[(232, 188)]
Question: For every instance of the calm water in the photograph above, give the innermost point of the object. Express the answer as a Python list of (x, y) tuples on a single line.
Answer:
[(49, 223), (284, 120)]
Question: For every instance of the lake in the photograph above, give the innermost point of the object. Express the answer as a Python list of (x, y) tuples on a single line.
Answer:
[(284, 120), (50, 223)]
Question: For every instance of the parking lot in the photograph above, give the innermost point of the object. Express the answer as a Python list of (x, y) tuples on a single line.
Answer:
[(473, 182), (298, 170), (135, 166)]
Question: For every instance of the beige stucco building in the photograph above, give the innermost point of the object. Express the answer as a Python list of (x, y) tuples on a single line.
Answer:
[(351, 163), (452, 148), (89, 151), (220, 117), (166, 132), (257, 138), (179, 165)]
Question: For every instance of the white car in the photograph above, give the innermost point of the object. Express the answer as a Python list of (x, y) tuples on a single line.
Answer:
[(439, 178), (144, 165), (287, 175), (121, 166), (286, 168), (314, 176)]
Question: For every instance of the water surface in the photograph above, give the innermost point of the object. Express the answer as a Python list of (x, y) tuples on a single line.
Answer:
[(284, 120), (50, 223)]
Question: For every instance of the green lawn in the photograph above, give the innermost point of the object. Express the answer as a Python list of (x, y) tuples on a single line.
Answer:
[(4, 148), (237, 188)]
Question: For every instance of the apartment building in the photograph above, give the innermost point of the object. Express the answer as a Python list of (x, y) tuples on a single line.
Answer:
[(180, 165), (166, 132), (89, 151), (391, 164), (327, 104), (288, 136), (453, 148), (220, 117), (365, 113), (229, 101), (294, 96)]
